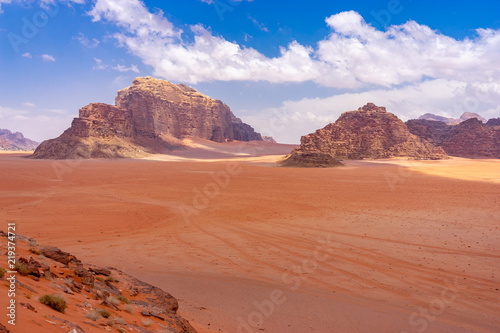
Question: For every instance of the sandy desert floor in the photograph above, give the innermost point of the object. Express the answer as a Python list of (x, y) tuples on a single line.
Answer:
[(386, 246)]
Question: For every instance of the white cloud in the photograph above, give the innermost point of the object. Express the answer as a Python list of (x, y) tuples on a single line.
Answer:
[(48, 57), (36, 127), (258, 24), (354, 55), (121, 68), (26, 55), (86, 42), (43, 3), (29, 104)]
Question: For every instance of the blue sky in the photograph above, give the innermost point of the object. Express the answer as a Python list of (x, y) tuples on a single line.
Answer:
[(285, 67)]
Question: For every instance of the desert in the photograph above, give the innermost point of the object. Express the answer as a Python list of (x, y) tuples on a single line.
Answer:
[(374, 244), (241, 166)]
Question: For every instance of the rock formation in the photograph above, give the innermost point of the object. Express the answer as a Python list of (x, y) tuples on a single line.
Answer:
[(269, 139), (471, 138), (15, 141), (150, 116), (452, 121), (92, 294), (370, 132), (493, 122)]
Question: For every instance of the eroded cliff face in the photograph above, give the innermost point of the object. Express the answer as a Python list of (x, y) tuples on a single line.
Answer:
[(150, 116), (471, 138), (370, 132)]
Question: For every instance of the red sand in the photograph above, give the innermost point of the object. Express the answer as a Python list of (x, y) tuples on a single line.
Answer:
[(371, 247)]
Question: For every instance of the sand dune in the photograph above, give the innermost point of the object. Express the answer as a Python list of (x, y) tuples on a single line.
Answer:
[(370, 247)]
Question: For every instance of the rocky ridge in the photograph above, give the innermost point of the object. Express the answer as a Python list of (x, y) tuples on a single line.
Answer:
[(471, 138), (95, 297), (370, 132), (15, 141), (151, 116)]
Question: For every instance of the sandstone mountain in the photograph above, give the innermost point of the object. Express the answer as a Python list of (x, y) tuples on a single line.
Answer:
[(471, 138), (370, 132), (15, 141), (451, 121), (150, 116)]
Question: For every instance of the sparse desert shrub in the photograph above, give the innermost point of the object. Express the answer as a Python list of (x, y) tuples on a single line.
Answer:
[(34, 251), (113, 300), (146, 322), (99, 279), (2, 272), (110, 279), (120, 321), (32, 242), (123, 299), (130, 309), (104, 313), (121, 329), (93, 315), (22, 268), (110, 323), (56, 302)]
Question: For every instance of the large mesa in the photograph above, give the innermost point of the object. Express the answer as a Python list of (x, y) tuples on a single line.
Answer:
[(151, 116)]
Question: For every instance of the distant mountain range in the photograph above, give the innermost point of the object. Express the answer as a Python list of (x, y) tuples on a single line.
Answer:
[(451, 121), (15, 141)]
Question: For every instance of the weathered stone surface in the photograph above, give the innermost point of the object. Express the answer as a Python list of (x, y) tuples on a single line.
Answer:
[(310, 160), (471, 138), (370, 132), (150, 116)]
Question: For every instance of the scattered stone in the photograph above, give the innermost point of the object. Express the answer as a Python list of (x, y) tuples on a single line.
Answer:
[(3, 329), (57, 255), (145, 313), (100, 271), (110, 305), (28, 306)]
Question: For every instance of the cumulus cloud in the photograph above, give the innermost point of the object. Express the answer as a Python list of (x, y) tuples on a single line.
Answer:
[(26, 55), (353, 55), (48, 58)]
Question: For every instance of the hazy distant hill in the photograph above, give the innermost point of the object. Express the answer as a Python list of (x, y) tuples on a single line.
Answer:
[(15, 141), (451, 121)]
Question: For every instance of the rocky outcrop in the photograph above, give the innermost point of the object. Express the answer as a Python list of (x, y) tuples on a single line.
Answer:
[(493, 122), (93, 294), (269, 139), (301, 159), (452, 121), (471, 138), (151, 116), (370, 132), (15, 141)]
